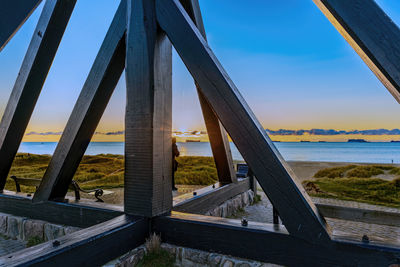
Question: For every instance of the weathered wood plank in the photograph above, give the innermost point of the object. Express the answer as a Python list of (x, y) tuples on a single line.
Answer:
[(30, 80), (93, 246), (93, 99), (218, 137), (56, 212), (148, 119), (371, 33), (202, 203), (296, 209), (13, 14), (266, 242), (360, 215)]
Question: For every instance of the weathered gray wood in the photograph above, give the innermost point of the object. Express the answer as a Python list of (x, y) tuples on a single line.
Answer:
[(267, 243), (93, 246), (371, 33), (148, 119), (95, 95), (13, 14), (360, 215), (218, 137), (202, 203), (55, 212), (296, 209), (31, 77)]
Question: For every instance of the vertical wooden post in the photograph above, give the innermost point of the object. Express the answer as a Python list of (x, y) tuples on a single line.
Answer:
[(30, 80), (218, 137), (148, 121)]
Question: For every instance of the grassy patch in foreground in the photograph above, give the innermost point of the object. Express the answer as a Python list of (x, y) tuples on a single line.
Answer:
[(196, 171), (369, 190), (107, 171), (159, 258), (360, 171)]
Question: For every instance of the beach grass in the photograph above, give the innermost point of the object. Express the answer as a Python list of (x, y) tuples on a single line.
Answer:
[(107, 171), (357, 183)]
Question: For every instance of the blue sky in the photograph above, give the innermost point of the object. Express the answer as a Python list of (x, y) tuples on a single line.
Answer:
[(288, 61)]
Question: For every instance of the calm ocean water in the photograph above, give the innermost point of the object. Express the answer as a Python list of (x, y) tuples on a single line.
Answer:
[(339, 152)]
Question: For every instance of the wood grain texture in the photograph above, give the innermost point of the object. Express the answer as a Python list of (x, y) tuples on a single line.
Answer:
[(217, 135), (93, 246), (296, 209), (13, 14), (360, 215), (148, 118), (93, 99), (32, 75), (266, 242), (202, 203), (56, 212), (372, 34)]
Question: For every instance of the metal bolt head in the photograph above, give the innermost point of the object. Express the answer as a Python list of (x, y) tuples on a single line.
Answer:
[(244, 222), (194, 193), (365, 239)]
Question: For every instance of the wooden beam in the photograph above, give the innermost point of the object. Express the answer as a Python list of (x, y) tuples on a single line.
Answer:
[(93, 99), (371, 33), (267, 243), (218, 137), (13, 14), (295, 207), (93, 246), (360, 215), (30, 80), (148, 118), (57, 212), (201, 203)]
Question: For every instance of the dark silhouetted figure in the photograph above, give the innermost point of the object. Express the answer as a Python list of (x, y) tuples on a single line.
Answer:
[(175, 153)]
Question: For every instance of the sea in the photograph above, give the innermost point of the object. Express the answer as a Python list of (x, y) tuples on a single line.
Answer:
[(369, 152)]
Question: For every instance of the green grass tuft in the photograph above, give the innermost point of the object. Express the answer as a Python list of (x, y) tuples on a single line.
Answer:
[(334, 172), (159, 258), (373, 190), (107, 171), (33, 241), (196, 171)]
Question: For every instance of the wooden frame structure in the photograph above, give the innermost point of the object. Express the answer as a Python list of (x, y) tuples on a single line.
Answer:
[(140, 41)]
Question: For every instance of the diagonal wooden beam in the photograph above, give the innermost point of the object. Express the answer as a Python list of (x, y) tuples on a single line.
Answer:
[(93, 246), (148, 117), (267, 243), (295, 207), (13, 14), (30, 80), (95, 95), (218, 137), (371, 33)]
